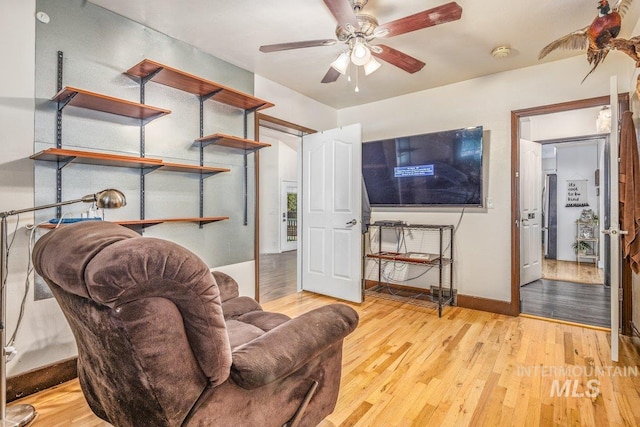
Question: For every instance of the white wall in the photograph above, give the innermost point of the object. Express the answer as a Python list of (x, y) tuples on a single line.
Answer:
[(565, 124), (269, 194), (482, 242), (244, 274), (575, 161), (44, 337), (44, 325), (277, 164), (294, 107)]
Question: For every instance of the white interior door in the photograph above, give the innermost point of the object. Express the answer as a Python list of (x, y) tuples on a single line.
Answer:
[(530, 211), (614, 216), (331, 213), (289, 216)]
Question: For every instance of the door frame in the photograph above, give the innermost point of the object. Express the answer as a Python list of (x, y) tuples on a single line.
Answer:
[(516, 115), (280, 125), (284, 185)]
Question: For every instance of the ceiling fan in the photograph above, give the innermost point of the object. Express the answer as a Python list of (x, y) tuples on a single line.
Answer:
[(357, 30)]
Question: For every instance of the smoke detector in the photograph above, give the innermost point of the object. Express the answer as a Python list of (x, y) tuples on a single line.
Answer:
[(501, 52)]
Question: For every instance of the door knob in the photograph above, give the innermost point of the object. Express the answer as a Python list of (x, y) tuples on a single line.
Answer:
[(352, 222)]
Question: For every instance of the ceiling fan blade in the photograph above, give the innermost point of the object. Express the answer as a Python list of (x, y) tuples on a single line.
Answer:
[(341, 10), (331, 76), (428, 18), (399, 59), (296, 45)]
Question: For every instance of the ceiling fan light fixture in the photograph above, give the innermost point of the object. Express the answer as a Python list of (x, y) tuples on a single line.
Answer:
[(341, 64), (360, 53), (380, 32), (371, 66)]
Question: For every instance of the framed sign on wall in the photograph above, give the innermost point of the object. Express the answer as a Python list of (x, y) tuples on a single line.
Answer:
[(577, 193)]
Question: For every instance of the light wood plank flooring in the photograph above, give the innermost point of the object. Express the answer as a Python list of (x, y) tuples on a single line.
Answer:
[(569, 271), (404, 366)]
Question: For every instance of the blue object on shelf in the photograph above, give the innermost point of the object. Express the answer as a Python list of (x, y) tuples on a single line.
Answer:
[(72, 220)]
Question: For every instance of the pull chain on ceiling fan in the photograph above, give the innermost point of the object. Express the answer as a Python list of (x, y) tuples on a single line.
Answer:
[(357, 30)]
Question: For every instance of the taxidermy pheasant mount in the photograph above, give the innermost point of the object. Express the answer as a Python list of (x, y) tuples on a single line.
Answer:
[(597, 38), (357, 30)]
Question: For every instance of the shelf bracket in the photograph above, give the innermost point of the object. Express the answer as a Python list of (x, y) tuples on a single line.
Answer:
[(206, 175), (60, 106), (138, 228), (148, 170), (63, 103), (143, 172), (202, 99), (145, 79), (64, 162), (208, 142), (207, 96), (245, 177), (254, 109)]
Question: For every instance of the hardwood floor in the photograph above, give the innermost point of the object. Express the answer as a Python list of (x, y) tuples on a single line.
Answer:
[(572, 302), (404, 366), (569, 271), (278, 275)]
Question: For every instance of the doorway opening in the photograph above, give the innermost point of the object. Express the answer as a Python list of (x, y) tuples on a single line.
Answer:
[(571, 283), (532, 251), (277, 232)]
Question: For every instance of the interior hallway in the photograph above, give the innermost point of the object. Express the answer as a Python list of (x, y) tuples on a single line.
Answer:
[(569, 271), (568, 291), (568, 301), (278, 275)]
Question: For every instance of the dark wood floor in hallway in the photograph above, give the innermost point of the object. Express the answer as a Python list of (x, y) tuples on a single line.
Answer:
[(569, 301), (277, 275)]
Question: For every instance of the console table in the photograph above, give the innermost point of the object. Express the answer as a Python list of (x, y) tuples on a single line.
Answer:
[(436, 253)]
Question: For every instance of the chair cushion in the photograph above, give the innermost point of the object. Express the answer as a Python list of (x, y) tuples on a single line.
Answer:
[(263, 319), (252, 325), (238, 306)]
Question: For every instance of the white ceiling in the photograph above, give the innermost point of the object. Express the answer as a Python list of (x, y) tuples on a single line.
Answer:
[(233, 30)]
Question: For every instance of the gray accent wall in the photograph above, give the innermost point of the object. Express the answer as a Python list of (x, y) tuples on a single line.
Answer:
[(98, 47)]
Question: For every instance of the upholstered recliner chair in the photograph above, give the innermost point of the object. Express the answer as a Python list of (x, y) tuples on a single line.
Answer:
[(164, 342)]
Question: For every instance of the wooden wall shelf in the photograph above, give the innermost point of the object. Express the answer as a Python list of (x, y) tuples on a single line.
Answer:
[(92, 158), (103, 159), (148, 222), (186, 82), (179, 167), (231, 141), (107, 104)]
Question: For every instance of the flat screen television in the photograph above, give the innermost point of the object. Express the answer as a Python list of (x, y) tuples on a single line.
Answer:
[(430, 170)]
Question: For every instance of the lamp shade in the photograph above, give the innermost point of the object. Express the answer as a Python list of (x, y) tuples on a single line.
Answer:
[(341, 63), (360, 53), (110, 199), (371, 66)]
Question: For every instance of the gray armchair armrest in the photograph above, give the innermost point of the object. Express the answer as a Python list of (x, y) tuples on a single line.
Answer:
[(286, 348)]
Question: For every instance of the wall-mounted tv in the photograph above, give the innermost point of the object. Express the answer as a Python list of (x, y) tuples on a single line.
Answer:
[(433, 169)]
